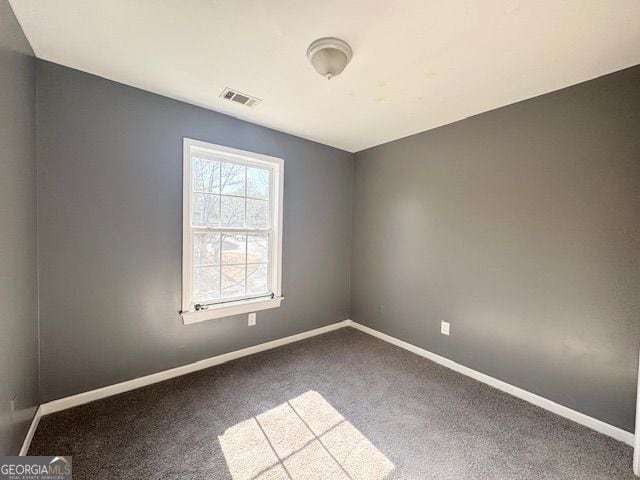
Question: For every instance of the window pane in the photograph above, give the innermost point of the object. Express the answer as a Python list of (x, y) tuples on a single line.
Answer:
[(257, 183), (257, 248), (234, 248), (233, 212), (205, 175), (232, 181), (206, 210), (206, 248), (233, 281), (257, 213), (231, 202), (206, 284), (257, 279)]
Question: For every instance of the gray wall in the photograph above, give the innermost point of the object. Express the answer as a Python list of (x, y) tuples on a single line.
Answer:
[(521, 227), (110, 172), (18, 279)]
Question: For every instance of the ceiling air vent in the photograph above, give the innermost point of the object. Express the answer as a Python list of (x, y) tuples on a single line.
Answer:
[(240, 98)]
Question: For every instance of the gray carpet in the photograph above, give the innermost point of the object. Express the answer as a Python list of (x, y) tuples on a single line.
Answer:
[(341, 405)]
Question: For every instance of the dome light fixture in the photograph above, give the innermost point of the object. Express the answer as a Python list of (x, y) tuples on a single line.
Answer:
[(329, 56)]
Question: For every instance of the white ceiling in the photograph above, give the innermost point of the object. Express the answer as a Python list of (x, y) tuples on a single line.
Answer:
[(417, 64)]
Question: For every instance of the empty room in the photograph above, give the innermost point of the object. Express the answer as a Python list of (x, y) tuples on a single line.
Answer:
[(288, 240)]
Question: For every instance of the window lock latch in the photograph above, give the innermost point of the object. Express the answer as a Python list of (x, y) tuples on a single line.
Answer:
[(199, 307)]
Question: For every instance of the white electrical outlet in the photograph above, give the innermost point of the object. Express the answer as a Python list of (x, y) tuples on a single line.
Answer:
[(252, 319), (444, 328)]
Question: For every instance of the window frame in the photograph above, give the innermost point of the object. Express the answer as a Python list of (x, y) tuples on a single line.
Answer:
[(276, 200)]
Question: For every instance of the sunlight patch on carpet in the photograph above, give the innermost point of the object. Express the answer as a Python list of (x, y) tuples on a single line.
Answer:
[(304, 438)]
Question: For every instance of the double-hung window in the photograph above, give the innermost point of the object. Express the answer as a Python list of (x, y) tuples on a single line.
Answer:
[(232, 231)]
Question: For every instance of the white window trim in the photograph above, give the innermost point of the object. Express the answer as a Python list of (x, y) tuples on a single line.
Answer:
[(276, 165)]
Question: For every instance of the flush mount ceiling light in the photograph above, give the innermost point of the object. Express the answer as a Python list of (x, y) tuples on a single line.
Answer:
[(329, 56)]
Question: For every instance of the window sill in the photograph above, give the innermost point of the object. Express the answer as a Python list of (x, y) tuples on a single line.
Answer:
[(229, 309)]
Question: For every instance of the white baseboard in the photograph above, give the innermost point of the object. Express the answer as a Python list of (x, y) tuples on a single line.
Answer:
[(92, 395), (32, 430), (581, 418)]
